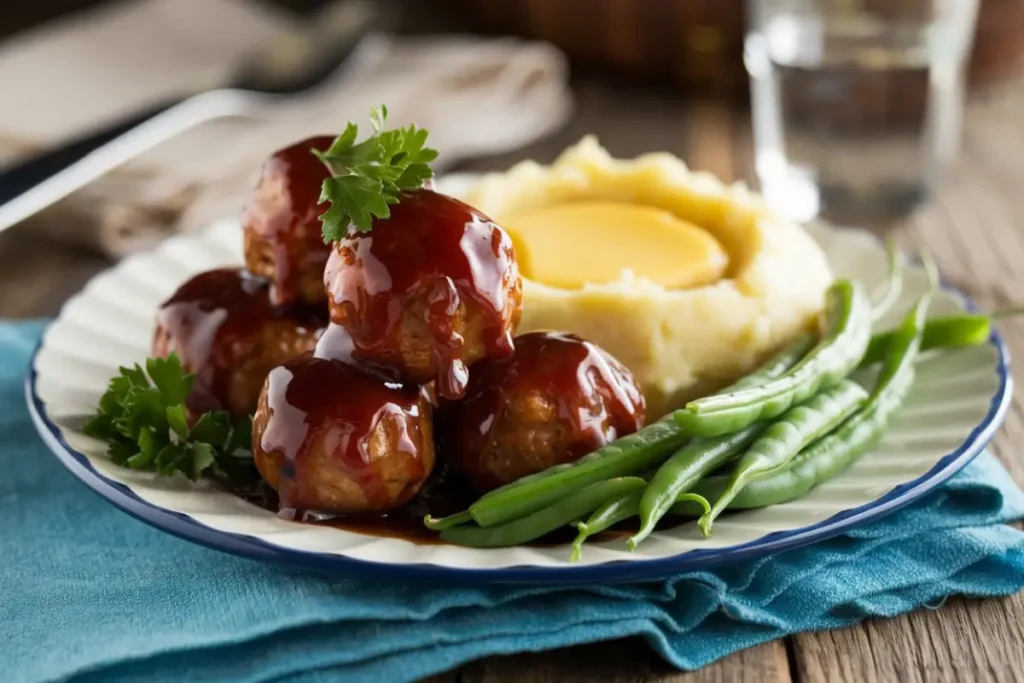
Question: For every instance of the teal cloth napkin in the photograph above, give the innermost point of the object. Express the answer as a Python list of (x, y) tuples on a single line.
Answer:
[(89, 594)]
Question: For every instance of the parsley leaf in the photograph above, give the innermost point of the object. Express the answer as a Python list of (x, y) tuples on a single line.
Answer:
[(203, 457), (178, 420), (143, 419), (173, 384), (370, 175), (212, 428)]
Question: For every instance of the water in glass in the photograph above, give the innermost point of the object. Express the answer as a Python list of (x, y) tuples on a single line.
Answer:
[(856, 109)]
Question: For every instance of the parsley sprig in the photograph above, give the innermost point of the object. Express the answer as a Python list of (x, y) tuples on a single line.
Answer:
[(369, 175), (142, 418)]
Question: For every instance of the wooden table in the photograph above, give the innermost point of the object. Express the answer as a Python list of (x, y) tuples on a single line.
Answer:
[(974, 230)]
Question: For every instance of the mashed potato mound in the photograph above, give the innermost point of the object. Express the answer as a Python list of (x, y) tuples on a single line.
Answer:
[(680, 343)]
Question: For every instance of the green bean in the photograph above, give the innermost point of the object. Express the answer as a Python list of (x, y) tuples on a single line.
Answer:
[(442, 523), (521, 481), (780, 362), (637, 452), (949, 331), (684, 469), (710, 488), (945, 332), (893, 284), (731, 420), (721, 423), (618, 510), (544, 520), (776, 366), (612, 512), (847, 332), (642, 446), (832, 454), (797, 428)]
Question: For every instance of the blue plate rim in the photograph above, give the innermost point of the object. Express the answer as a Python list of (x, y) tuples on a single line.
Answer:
[(188, 528)]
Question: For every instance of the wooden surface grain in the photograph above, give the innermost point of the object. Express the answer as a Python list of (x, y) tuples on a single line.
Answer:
[(973, 227)]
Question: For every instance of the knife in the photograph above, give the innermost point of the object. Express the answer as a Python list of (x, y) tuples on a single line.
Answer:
[(296, 62)]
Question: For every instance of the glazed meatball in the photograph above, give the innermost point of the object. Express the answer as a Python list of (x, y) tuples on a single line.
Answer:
[(283, 237), (225, 330), (330, 437), (428, 291), (554, 400)]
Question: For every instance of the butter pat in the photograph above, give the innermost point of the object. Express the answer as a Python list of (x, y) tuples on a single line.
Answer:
[(594, 242)]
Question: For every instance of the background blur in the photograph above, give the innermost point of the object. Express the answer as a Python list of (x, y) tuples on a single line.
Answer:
[(696, 43), (642, 75)]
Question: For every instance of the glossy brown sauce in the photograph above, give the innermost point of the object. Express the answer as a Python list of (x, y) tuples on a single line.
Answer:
[(285, 210), (595, 393), (316, 403), (445, 492), (596, 401), (206, 321), (433, 249), (438, 250), (596, 396), (336, 344)]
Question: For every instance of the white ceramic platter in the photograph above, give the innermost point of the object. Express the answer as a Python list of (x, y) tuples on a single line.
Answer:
[(957, 403)]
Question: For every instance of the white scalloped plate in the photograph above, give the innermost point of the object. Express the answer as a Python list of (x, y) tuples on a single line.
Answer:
[(958, 401)]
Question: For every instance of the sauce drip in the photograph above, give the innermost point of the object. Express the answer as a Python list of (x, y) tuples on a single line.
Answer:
[(435, 255), (445, 492), (336, 344), (208, 319), (284, 211), (596, 400), (315, 403)]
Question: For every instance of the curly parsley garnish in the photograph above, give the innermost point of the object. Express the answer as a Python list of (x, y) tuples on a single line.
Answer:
[(369, 175), (142, 418)]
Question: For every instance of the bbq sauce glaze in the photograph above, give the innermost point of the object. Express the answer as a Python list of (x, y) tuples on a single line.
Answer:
[(333, 436), (596, 401), (445, 492), (437, 260), (216, 319), (284, 212)]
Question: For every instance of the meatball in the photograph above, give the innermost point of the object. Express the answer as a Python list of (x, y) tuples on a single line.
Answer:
[(331, 437), (225, 330), (428, 291), (554, 400), (283, 237)]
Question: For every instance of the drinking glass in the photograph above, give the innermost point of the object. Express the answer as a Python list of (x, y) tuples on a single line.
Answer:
[(857, 104)]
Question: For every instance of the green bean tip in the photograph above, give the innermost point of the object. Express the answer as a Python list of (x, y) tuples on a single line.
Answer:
[(432, 523), (577, 550), (633, 541), (696, 498), (442, 523), (704, 523)]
